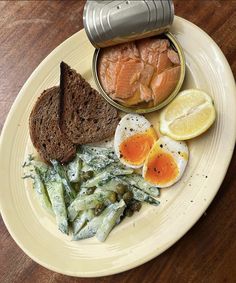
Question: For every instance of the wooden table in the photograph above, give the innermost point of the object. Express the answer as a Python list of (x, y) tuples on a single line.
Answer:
[(29, 31)]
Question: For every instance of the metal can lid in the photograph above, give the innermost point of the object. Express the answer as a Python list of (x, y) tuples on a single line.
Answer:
[(109, 23)]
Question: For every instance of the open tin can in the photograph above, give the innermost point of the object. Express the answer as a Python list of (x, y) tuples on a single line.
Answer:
[(109, 23)]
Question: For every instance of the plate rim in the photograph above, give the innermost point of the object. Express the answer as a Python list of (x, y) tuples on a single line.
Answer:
[(149, 257)]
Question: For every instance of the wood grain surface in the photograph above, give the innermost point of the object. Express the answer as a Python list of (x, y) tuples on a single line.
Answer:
[(29, 31)]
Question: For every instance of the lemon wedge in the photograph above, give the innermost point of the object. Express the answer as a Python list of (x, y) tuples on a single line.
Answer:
[(190, 114)]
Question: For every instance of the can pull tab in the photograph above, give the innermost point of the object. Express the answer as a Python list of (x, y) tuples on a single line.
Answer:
[(113, 22)]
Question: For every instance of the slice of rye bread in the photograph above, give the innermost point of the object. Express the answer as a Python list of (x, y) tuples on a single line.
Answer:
[(85, 116), (44, 128)]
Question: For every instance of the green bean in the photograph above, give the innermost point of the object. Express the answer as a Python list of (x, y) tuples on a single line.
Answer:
[(41, 191), (105, 176), (109, 186), (98, 178), (81, 220), (92, 226), (64, 179), (110, 220), (139, 194), (142, 196), (56, 195), (138, 181)]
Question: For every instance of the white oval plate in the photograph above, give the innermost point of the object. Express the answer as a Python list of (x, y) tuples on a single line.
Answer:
[(152, 230)]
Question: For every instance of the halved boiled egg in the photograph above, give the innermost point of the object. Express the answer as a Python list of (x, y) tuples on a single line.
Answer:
[(166, 162), (134, 138)]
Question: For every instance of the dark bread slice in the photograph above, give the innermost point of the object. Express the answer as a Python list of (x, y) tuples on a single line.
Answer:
[(44, 128), (85, 116)]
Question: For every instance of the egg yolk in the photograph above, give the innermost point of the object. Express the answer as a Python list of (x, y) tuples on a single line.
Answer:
[(161, 168), (135, 149)]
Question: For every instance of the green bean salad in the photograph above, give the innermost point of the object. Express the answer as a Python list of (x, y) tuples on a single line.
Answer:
[(90, 195)]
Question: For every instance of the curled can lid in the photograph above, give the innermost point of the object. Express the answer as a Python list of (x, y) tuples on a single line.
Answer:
[(109, 23)]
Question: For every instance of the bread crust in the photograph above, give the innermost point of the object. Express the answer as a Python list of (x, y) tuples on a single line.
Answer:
[(85, 116), (44, 129)]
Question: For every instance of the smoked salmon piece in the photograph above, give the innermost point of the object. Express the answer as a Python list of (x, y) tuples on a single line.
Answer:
[(123, 52), (163, 62), (110, 77), (110, 62), (134, 77), (150, 48), (164, 83), (127, 80), (173, 56), (140, 89), (145, 93), (145, 79), (146, 74)]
